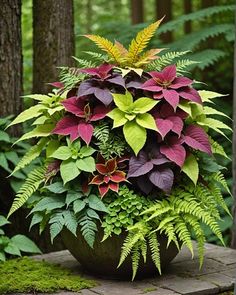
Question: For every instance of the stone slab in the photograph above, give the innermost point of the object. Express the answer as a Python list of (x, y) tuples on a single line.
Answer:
[(183, 276)]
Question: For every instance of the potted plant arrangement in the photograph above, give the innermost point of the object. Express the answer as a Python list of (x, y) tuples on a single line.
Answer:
[(129, 171)]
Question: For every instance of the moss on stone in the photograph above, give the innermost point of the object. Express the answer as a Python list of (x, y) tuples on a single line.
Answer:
[(150, 289), (28, 275)]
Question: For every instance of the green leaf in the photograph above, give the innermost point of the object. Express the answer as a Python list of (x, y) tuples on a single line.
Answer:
[(93, 214), (28, 114), (211, 111), (207, 96), (135, 136), (2, 256), (55, 229), (191, 169), (12, 249), (96, 203), (40, 120), (12, 157), (146, 121), (143, 105), (40, 131), (186, 107), (214, 124), (123, 101), (39, 97), (25, 244), (3, 221), (56, 188), (70, 222), (62, 153), (69, 170), (37, 218), (49, 203), (86, 151), (118, 117), (78, 205), (52, 147), (217, 148), (72, 196), (4, 136), (4, 163), (86, 164)]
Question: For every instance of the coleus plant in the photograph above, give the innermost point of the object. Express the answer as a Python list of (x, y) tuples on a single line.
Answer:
[(161, 124)]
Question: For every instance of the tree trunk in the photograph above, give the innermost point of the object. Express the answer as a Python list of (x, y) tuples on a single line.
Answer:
[(164, 8), (137, 11), (207, 3), (187, 10), (233, 242), (53, 40), (89, 14), (10, 59)]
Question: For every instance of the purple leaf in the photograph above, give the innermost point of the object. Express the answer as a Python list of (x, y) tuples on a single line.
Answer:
[(85, 88), (162, 178), (68, 126), (118, 80), (197, 138), (104, 95), (144, 184), (139, 165)]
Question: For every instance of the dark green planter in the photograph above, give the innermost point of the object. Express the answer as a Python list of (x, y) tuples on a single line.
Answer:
[(103, 259)]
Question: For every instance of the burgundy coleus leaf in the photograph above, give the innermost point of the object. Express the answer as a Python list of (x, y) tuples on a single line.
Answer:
[(197, 138), (174, 150), (52, 169), (167, 120), (85, 131), (68, 126), (163, 178), (57, 84), (101, 72), (166, 85), (75, 106)]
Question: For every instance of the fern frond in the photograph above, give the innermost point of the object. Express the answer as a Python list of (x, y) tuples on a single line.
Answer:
[(101, 132), (155, 250), (88, 228), (217, 148), (106, 46), (96, 56), (31, 155), (140, 42), (143, 249), (165, 60), (219, 177), (182, 64), (135, 256), (30, 186), (183, 233)]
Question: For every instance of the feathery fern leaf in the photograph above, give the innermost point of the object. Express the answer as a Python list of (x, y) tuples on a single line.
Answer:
[(30, 186), (155, 251)]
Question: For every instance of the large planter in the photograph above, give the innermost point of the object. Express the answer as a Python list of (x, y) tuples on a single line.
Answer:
[(103, 259)]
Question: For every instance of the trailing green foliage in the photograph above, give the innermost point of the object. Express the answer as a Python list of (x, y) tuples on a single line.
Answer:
[(30, 186), (38, 276), (124, 210), (179, 216)]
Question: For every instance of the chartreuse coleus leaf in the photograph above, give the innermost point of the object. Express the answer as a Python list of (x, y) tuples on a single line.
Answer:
[(47, 105), (74, 159), (207, 96), (191, 169), (133, 116)]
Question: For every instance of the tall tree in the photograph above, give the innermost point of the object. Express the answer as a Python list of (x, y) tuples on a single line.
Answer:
[(233, 242), (164, 8), (10, 59), (53, 40), (207, 3), (137, 11), (187, 10)]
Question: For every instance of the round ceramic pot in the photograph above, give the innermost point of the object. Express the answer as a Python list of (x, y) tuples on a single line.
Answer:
[(103, 259)]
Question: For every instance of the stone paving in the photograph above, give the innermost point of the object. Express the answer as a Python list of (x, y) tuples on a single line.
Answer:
[(183, 276)]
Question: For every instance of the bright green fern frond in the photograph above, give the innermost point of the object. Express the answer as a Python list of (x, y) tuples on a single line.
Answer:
[(96, 56), (183, 233), (143, 249), (135, 256), (30, 186), (31, 155), (101, 132), (184, 64), (219, 177), (155, 250)]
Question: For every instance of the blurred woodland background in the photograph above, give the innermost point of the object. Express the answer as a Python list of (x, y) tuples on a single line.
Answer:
[(38, 36)]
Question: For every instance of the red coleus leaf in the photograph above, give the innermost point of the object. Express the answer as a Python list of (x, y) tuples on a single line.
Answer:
[(68, 126), (174, 151), (114, 186), (97, 179), (75, 106), (85, 131), (197, 138), (118, 176), (163, 126), (111, 165), (171, 96), (101, 168), (103, 189), (190, 94), (99, 112), (57, 84), (101, 72)]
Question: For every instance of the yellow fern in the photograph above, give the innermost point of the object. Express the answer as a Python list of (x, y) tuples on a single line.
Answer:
[(111, 49), (139, 43)]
